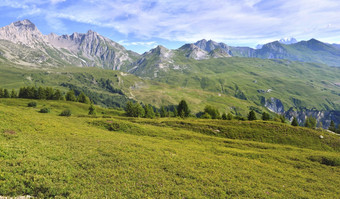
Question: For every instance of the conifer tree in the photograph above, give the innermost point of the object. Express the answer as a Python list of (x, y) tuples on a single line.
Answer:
[(13, 94), (252, 116), (57, 95), (6, 93), (70, 96), (92, 110), (332, 126), (265, 116), (224, 116), (295, 122), (149, 112), (163, 112), (183, 109)]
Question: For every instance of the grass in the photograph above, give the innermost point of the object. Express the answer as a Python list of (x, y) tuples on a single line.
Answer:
[(46, 155)]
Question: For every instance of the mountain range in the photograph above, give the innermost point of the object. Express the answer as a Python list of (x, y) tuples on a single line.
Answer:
[(285, 77), (21, 42)]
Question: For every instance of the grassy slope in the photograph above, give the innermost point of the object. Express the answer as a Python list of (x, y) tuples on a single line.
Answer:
[(147, 91), (312, 84), (46, 155), (213, 81)]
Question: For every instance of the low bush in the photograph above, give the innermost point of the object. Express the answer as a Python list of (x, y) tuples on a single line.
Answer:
[(44, 110), (66, 113), (32, 104)]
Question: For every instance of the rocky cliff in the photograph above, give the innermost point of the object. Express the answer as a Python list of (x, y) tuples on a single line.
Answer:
[(324, 117)]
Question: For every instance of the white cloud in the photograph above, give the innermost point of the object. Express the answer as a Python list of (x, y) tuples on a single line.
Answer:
[(57, 1), (137, 43), (246, 21)]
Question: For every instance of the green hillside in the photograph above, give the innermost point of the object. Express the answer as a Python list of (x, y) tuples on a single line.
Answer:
[(296, 84), (46, 155)]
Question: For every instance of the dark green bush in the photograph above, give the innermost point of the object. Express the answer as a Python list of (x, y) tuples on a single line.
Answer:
[(66, 113), (32, 104), (44, 110)]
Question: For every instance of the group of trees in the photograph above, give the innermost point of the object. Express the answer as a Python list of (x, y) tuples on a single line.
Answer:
[(312, 123), (148, 111), (333, 128), (45, 93), (4, 93)]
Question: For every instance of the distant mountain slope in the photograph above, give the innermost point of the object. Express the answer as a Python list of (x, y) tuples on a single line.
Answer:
[(305, 51), (90, 49)]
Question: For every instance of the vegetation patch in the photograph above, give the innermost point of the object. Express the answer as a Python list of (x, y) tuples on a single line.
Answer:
[(326, 160)]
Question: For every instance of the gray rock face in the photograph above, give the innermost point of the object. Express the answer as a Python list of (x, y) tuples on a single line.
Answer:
[(194, 52), (325, 117), (274, 105), (90, 49), (210, 46)]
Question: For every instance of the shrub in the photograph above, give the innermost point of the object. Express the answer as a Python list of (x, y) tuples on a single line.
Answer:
[(32, 104), (212, 111), (229, 116), (66, 113), (44, 110), (206, 116)]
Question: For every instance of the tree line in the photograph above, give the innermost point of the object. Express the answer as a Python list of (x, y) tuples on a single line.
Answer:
[(44, 93), (210, 112)]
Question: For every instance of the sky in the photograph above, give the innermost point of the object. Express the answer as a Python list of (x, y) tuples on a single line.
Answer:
[(140, 25)]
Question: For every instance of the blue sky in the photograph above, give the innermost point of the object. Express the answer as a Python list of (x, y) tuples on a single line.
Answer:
[(140, 25)]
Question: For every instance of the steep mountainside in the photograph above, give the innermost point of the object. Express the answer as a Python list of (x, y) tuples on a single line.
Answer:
[(90, 49)]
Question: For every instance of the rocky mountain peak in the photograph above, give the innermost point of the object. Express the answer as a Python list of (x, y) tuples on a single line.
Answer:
[(211, 45), (193, 51), (24, 32), (25, 25)]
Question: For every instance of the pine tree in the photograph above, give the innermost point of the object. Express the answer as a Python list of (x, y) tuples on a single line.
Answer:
[(41, 93), (310, 122), (57, 95), (252, 116), (70, 96), (14, 94), (149, 112), (163, 112), (332, 126), (129, 109), (295, 122), (183, 109), (82, 98), (92, 110), (265, 116), (139, 110), (6, 93)]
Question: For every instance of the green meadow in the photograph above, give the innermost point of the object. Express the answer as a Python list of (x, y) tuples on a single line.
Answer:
[(111, 156)]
